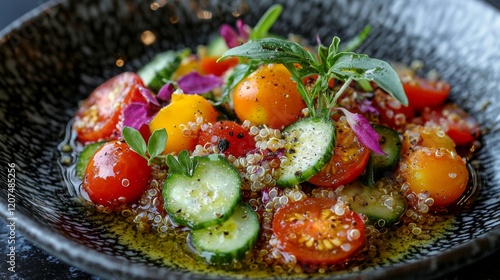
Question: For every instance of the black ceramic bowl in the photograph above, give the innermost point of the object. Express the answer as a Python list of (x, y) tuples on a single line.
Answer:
[(56, 57)]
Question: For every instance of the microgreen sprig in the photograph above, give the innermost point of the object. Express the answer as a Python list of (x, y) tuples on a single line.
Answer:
[(329, 63), (150, 151), (183, 164)]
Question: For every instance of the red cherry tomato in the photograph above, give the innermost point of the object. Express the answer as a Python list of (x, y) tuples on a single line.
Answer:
[(116, 175), (422, 93), (230, 137), (209, 65), (392, 113), (99, 114), (349, 159), (458, 124), (309, 230)]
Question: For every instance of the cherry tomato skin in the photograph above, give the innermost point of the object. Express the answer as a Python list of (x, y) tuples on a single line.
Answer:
[(348, 162), (99, 115), (440, 173), (392, 113), (268, 96), (209, 65), (309, 230), (422, 93), (457, 124), (426, 136), (230, 137), (116, 175)]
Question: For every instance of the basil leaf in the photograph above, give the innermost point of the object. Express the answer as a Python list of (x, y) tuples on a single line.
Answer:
[(266, 22), (134, 139), (358, 67), (271, 50), (156, 143)]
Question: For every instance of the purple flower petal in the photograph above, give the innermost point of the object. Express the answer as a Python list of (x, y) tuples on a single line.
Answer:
[(243, 30), (318, 40), (165, 93), (135, 115), (194, 83), (229, 35), (150, 98), (365, 132)]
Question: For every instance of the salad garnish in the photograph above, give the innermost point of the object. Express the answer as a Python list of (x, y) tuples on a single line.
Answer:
[(151, 150)]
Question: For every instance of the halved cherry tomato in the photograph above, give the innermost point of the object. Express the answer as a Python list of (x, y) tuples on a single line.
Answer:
[(309, 230), (440, 173), (230, 137), (349, 159), (392, 113), (116, 175), (422, 93), (268, 96), (457, 123), (99, 114), (209, 65)]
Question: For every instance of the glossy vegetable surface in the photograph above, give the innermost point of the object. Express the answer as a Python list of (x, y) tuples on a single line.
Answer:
[(268, 96), (439, 173), (349, 159), (116, 175), (99, 115), (310, 231), (230, 138), (176, 116)]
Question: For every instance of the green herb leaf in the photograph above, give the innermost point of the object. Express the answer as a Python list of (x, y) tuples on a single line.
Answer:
[(134, 139), (156, 143), (355, 42), (357, 66), (173, 165), (271, 50), (262, 27), (183, 164)]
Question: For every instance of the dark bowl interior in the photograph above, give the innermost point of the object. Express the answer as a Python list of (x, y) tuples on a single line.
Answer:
[(55, 58)]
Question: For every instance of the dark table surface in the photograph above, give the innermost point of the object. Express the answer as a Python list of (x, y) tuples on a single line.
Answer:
[(34, 263)]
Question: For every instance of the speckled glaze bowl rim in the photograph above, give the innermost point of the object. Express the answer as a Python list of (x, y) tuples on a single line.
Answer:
[(108, 266)]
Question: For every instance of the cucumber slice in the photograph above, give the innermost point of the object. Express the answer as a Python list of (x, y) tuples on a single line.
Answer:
[(310, 144), (84, 158), (222, 244), (380, 208), (206, 198), (159, 70), (391, 146)]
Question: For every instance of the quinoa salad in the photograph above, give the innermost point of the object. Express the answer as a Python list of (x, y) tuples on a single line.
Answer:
[(263, 155)]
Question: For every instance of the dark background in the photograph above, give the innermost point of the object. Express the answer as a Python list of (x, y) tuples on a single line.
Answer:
[(34, 263)]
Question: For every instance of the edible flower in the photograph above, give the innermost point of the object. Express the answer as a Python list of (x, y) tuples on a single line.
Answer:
[(234, 37), (365, 132)]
